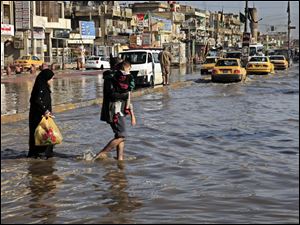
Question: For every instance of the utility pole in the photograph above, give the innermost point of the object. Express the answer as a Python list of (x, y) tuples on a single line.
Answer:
[(31, 25), (246, 15), (289, 30), (246, 38), (150, 27)]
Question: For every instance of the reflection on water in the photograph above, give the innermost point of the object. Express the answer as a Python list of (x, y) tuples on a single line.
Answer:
[(43, 187), (118, 200), (15, 96)]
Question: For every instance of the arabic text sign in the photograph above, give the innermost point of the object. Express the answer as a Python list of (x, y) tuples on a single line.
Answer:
[(87, 29)]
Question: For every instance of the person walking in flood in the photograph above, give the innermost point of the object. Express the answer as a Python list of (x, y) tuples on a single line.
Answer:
[(40, 105), (165, 59), (116, 89)]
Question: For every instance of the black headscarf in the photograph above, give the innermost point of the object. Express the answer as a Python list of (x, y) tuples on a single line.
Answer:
[(41, 81)]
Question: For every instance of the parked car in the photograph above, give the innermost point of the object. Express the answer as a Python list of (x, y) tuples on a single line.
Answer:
[(260, 65), (145, 65), (228, 70), (97, 62), (279, 61), (208, 64), (27, 60)]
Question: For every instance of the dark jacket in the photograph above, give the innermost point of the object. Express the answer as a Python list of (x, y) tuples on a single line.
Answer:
[(110, 95)]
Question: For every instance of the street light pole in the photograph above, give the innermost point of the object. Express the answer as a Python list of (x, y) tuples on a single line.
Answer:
[(289, 30), (246, 15), (31, 23)]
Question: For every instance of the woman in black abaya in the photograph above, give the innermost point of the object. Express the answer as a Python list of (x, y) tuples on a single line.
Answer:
[(40, 104)]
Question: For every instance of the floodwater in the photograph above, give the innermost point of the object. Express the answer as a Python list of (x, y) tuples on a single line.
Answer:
[(206, 153)]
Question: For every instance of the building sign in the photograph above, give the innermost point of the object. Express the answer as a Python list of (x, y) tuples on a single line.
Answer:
[(146, 39), (163, 24), (135, 41), (140, 21), (132, 40), (7, 29), (38, 34), (59, 33), (87, 29), (246, 39), (118, 39), (22, 15)]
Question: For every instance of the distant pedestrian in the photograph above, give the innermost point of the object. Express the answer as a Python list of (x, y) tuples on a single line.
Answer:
[(33, 70), (40, 105), (81, 57), (8, 70), (165, 59), (115, 82)]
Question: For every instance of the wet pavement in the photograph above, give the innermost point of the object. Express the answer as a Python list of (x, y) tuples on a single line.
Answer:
[(205, 153)]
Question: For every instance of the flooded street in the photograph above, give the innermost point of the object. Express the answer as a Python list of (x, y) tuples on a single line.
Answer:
[(206, 153)]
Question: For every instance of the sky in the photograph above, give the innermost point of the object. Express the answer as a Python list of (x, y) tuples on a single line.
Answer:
[(271, 12)]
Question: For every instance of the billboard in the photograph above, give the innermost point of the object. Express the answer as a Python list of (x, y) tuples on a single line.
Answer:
[(246, 39), (22, 15), (87, 29), (162, 23)]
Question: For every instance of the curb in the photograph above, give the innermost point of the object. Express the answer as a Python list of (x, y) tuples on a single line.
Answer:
[(69, 106)]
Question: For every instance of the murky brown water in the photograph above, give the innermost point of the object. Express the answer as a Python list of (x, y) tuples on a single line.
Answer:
[(208, 153)]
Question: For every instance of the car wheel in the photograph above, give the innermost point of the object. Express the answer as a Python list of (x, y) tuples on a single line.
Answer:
[(101, 67)]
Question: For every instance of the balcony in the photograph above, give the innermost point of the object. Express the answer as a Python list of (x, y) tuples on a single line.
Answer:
[(41, 21)]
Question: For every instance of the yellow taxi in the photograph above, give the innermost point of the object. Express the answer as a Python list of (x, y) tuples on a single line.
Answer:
[(228, 70), (259, 65), (279, 62), (27, 60), (208, 65)]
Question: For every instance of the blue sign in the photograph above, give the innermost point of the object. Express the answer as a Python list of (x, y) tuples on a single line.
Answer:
[(87, 29)]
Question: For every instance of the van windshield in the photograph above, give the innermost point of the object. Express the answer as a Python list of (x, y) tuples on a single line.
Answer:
[(134, 57)]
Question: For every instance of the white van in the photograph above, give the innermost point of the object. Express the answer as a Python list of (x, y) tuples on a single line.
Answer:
[(145, 65)]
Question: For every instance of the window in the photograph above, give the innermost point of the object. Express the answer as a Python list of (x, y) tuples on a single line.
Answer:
[(210, 60), (227, 63), (258, 59), (149, 58), (155, 57), (35, 58), (134, 57), (277, 57), (236, 55), (25, 58)]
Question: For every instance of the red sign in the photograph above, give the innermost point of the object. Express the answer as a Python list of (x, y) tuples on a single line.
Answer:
[(7, 29)]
